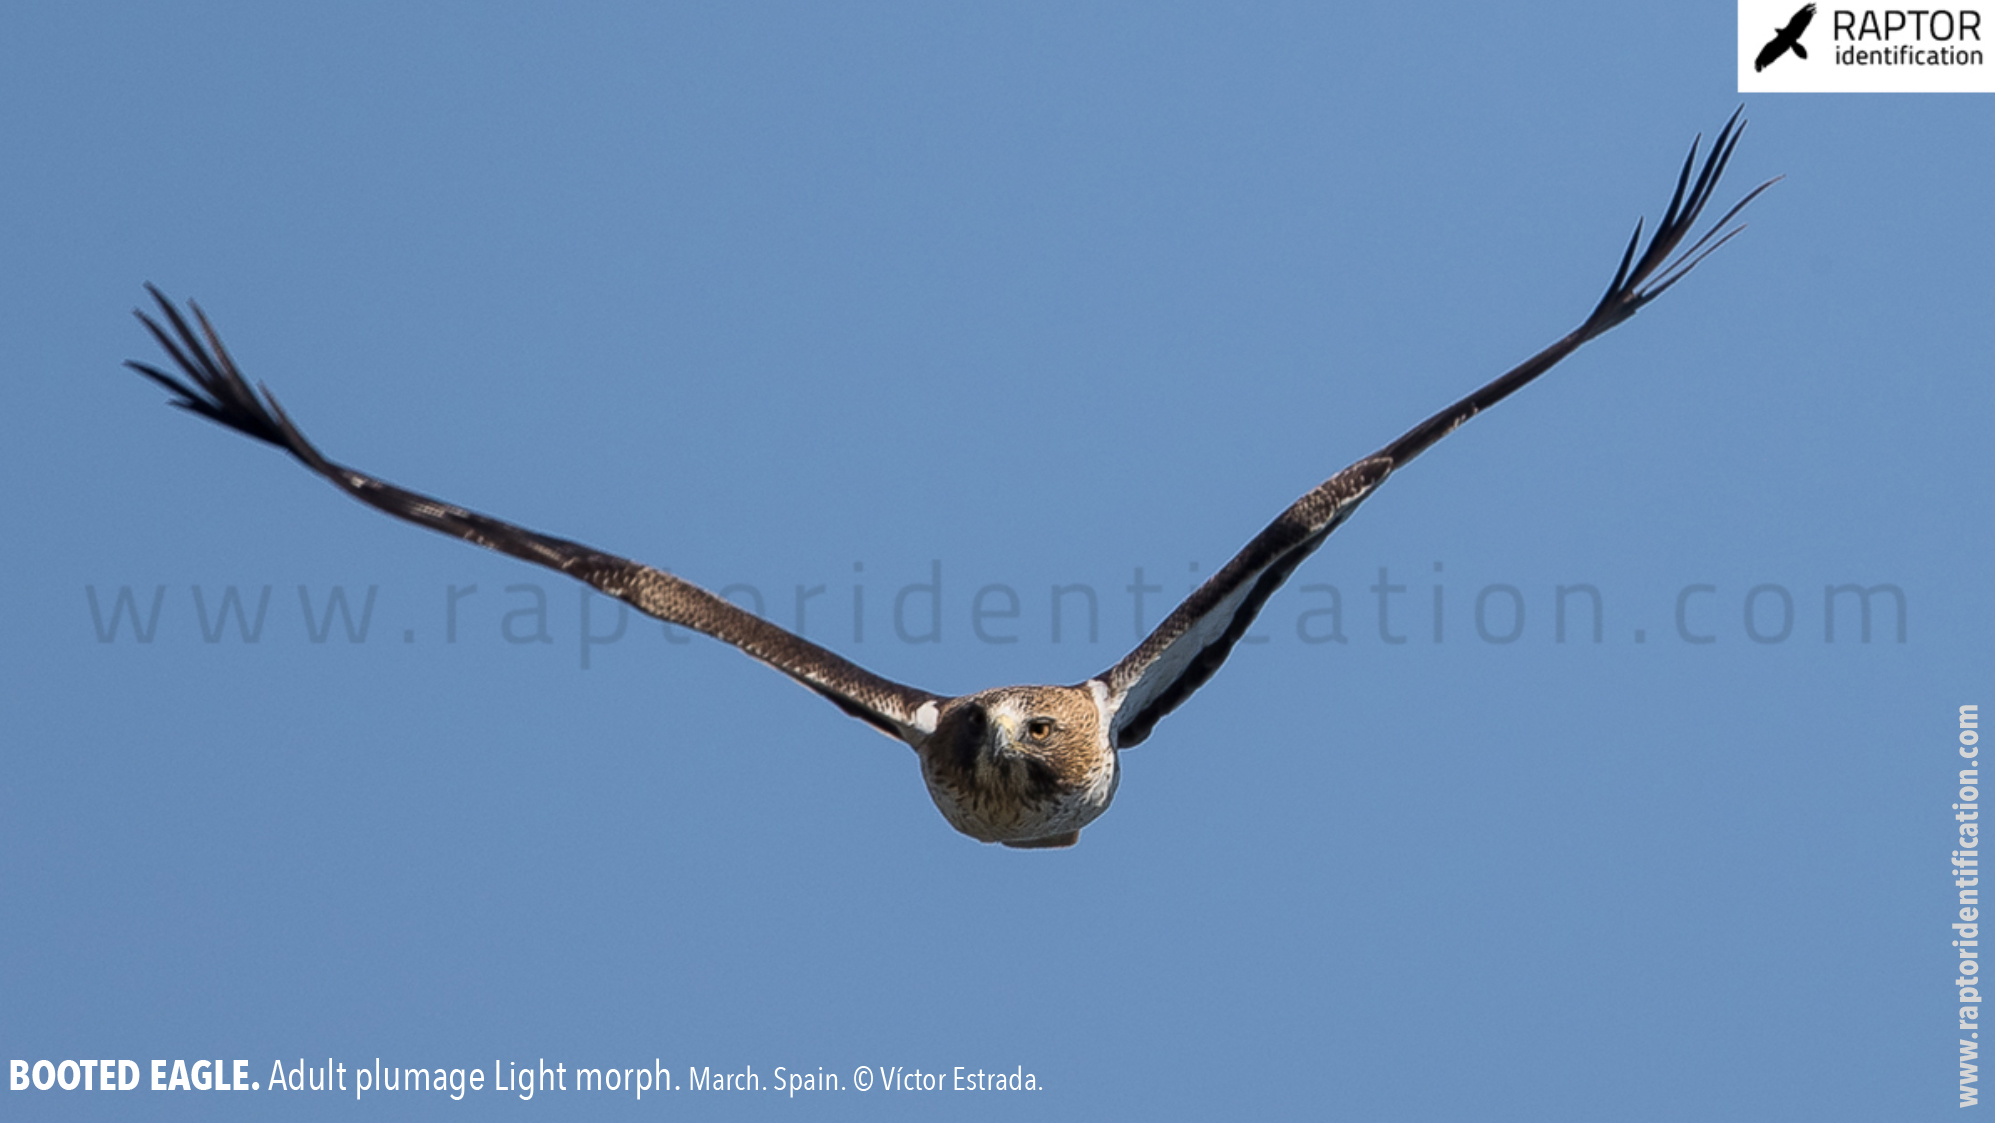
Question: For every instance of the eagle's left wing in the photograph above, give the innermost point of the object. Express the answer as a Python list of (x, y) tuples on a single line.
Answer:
[(1189, 646)]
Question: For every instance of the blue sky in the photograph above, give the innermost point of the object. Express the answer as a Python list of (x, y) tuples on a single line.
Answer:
[(784, 297)]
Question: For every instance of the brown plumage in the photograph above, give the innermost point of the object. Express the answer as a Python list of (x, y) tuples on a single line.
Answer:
[(1021, 764), (1027, 766)]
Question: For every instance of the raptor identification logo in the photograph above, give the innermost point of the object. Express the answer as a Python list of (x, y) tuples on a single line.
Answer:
[(1786, 46)]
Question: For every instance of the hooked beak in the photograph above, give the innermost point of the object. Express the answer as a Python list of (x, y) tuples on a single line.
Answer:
[(1007, 727)]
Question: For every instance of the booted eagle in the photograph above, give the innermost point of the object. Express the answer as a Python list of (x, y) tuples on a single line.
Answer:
[(1027, 766)]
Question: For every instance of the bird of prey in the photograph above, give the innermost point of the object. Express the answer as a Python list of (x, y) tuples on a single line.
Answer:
[(1786, 39), (1028, 766)]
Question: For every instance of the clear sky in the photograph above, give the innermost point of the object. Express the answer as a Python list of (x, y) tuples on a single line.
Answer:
[(1021, 296)]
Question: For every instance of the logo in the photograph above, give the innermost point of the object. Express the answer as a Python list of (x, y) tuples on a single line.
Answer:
[(1854, 46), (1786, 39)]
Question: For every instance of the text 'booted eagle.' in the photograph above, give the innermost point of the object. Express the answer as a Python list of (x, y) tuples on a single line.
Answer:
[(1027, 766)]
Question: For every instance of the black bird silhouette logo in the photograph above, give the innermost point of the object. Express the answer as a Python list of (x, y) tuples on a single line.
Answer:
[(1786, 39)]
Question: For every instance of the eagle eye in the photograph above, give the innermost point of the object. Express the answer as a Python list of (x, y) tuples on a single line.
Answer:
[(1039, 728)]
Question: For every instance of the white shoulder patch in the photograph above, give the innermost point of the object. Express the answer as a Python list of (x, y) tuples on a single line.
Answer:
[(1106, 706), (924, 718)]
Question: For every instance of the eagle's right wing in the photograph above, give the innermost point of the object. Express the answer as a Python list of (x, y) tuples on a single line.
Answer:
[(219, 392)]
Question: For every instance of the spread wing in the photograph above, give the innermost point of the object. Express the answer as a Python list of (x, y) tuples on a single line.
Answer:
[(215, 389), (1191, 643), (1798, 24), (1775, 48)]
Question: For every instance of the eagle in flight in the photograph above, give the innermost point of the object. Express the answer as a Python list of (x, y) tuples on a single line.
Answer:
[(1786, 39), (1027, 766)]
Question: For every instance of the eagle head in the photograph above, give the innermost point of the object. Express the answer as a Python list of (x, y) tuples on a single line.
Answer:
[(1021, 764)]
